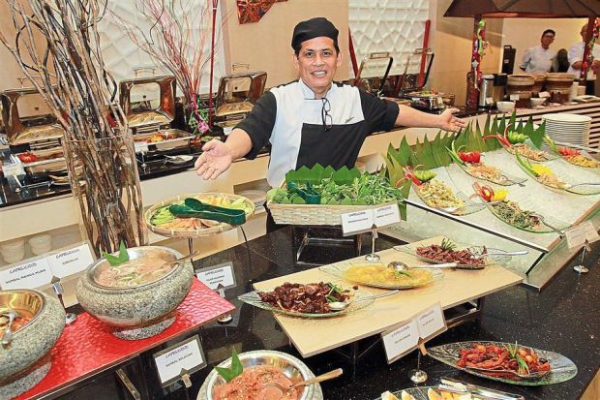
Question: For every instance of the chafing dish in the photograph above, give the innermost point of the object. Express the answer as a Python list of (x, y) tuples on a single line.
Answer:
[(34, 140), (426, 101), (150, 113), (237, 95)]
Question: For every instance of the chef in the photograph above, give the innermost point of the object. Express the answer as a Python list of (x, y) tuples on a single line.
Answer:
[(540, 59), (313, 119), (576, 59)]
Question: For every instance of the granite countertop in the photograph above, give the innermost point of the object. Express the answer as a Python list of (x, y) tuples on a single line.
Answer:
[(559, 319)]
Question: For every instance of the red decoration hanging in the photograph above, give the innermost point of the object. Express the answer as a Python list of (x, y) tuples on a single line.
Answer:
[(253, 10)]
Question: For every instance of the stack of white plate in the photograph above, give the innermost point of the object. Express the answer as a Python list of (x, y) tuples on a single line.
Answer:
[(568, 128)]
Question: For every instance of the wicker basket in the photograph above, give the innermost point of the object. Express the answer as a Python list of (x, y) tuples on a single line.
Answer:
[(191, 233), (314, 214)]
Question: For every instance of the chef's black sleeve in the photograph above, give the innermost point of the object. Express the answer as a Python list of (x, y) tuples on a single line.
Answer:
[(260, 123), (380, 114)]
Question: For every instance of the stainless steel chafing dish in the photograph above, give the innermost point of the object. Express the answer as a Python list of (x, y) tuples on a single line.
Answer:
[(237, 95), (34, 140), (151, 123)]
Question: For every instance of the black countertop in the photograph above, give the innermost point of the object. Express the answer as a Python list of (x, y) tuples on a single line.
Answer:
[(562, 318)]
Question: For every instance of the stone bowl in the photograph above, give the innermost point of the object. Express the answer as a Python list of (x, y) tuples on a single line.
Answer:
[(291, 366), (139, 311), (26, 360)]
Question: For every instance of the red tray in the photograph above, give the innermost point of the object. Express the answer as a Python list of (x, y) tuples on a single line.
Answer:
[(87, 347)]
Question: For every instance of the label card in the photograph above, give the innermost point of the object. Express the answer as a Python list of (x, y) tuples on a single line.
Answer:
[(400, 341), (386, 215), (431, 322), (357, 221), (221, 274), (30, 275), (70, 261), (544, 95), (141, 147), (186, 357), (514, 97), (577, 236)]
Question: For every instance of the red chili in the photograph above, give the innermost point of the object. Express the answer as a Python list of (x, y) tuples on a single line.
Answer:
[(27, 157), (472, 157), (500, 138), (412, 177), (565, 151)]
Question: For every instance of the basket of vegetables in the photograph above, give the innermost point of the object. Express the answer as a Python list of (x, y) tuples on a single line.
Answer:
[(319, 196)]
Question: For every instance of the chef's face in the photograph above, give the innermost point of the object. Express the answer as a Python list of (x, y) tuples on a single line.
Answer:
[(547, 39), (583, 33), (316, 63)]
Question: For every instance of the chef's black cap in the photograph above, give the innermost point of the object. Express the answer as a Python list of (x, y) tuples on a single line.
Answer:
[(312, 28)]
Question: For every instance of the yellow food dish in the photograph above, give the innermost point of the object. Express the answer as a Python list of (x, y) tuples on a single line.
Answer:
[(381, 276)]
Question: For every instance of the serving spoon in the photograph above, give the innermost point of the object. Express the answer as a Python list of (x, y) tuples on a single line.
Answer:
[(342, 305), (319, 378), (403, 267), (8, 333)]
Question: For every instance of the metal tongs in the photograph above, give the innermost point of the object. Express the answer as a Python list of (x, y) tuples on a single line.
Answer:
[(478, 392), (194, 208)]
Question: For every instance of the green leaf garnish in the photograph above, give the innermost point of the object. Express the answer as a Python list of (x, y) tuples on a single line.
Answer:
[(117, 260), (236, 367)]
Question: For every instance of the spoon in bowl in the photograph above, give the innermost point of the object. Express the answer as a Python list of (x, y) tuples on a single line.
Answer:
[(342, 305), (8, 333), (320, 378)]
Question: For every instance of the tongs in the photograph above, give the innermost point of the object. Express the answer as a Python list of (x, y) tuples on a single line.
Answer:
[(194, 208), (480, 392), (309, 195)]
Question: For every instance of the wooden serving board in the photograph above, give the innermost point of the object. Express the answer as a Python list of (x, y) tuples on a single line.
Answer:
[(315, 336)]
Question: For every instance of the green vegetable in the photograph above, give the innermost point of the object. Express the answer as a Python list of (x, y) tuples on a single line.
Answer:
[(123, 256), (162, 216), (424, 175), (516, 137), (236, 367)]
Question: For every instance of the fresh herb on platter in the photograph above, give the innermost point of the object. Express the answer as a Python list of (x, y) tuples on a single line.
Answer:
[(117, 260), (236, 367)]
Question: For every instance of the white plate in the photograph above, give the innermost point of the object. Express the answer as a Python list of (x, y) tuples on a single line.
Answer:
[(565, 117)]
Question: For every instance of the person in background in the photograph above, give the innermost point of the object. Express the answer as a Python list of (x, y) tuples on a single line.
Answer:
[(576, 60), (562, 60), (540, 59)]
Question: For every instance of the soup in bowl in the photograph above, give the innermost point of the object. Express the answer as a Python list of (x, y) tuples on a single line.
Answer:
[(137, 298)]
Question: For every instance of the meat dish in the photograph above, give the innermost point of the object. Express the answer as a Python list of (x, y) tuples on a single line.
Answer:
[(447, 253), (310, 298), (261, 382), (503, 361)]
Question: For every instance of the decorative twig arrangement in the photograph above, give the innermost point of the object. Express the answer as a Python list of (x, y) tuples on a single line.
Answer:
[(58, 40), (179, 39)]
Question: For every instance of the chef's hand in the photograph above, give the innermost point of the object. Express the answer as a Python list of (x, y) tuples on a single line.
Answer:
[(214, 160), (449, 122)]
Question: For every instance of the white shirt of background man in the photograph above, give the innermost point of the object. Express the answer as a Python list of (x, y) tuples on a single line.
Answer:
[(538, 60), (576, 54)]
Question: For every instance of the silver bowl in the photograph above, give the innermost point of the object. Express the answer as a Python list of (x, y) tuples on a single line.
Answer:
[(141, 311), (291, 366), (26, 360)]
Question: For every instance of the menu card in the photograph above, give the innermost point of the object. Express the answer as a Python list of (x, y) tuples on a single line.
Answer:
[(407, 336), (371, 218)]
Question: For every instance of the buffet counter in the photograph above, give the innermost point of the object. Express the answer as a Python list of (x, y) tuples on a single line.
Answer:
[(560, 319), (53, 210)]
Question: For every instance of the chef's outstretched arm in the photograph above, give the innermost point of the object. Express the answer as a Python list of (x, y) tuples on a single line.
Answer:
[(218, 156), (408, 116)]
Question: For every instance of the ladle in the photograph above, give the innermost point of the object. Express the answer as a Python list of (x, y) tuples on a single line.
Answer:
[(342, 305), (8, 333), (320, 378)]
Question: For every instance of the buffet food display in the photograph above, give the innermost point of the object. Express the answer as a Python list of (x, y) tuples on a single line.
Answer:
[(151, 282), (30, 324)]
